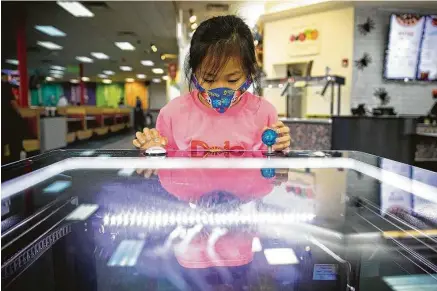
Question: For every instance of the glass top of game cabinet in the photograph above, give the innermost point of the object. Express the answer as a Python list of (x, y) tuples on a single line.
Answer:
[(118, 220)]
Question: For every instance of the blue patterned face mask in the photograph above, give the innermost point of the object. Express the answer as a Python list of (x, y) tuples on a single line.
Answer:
[(222, 98)]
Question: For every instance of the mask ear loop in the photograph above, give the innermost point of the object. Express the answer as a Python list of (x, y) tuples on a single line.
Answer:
[(201, 90), (242, 90)]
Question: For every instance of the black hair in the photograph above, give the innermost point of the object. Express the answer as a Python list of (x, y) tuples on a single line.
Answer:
[(219, 38)]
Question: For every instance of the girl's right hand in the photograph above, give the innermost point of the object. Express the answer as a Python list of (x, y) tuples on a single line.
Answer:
[(149, 138)]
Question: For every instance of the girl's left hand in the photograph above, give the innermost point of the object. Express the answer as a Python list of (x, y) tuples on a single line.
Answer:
[(284, 140)]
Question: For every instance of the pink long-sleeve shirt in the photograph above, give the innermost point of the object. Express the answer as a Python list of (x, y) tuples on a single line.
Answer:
[(190, 125)]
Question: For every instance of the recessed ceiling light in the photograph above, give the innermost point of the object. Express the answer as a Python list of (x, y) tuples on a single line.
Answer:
[(50, 30), (194, 26), (141, 76), (165, 78), (100, 56), (102, 76), (107, 81), (12, 62), (193, 18), (75, 8), (49, 45), (156, 80), (49, 79), (154, 48), (158, 71), (59, 68), (84, 59), (130, 80), (85, 79), (74, 81), (57, 76), (126, 68), (124, 45), (56, 72), (147, 63), (108, 72)]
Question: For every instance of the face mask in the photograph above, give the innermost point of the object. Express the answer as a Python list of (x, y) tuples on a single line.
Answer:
[(221, 99)]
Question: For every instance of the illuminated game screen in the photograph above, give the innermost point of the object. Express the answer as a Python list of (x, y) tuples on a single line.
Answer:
[(108, 221)]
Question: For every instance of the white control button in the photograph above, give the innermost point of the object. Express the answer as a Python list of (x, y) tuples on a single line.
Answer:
[(156, 151)]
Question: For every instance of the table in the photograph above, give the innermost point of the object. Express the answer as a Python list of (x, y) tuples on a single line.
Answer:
[(117, 220)]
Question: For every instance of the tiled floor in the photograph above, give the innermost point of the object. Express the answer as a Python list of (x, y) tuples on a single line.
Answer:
[(116, 142)]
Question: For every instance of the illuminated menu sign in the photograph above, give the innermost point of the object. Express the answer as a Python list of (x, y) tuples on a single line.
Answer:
[(411, 52), (428, 54)]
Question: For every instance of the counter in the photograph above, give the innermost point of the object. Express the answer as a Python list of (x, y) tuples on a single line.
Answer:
[(308, 133), (399, 138)]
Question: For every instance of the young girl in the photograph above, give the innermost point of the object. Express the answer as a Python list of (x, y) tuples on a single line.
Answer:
[(219, 114)]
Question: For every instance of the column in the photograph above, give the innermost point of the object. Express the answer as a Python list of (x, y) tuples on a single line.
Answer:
[(22, 61), (81, 85)]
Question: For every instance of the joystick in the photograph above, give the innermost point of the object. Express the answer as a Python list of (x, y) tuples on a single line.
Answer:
[(268, 173), (269, 139)]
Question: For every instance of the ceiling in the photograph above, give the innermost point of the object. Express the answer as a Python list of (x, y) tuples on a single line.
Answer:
[(139, 22), (146, 23)]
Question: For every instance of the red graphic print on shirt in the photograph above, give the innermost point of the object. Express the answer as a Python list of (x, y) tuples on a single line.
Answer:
[(201, 148)]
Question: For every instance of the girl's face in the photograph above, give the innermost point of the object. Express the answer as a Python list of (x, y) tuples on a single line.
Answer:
[(231, 76)]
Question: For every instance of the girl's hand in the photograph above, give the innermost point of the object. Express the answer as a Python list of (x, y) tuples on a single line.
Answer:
[(149, 138), (147, 173), (284, 140)]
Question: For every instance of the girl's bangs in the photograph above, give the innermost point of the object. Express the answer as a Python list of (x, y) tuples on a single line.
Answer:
[(216, 58)]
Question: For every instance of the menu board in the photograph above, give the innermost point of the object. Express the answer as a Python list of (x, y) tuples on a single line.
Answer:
[(428, 53), (411, 52)]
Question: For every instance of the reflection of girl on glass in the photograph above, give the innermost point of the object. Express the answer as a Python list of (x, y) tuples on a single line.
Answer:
[(216, 257), (219, 112)]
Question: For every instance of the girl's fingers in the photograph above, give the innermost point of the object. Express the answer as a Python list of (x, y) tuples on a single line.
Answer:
[(164, 141), (147, 134), (140, 137), (281, 146), (283, 130), (148, 173), (154, 133), (283, 139), (136, 143), (278, 124), (279, 127)]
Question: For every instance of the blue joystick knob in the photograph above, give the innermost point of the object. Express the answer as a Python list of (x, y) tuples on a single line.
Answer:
[(268, 173), (269, 137)]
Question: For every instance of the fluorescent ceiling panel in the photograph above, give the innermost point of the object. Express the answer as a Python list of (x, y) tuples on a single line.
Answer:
[(50, 30), (49, 45), (75, 8), (100, 56), (124, 45), (84, 59)]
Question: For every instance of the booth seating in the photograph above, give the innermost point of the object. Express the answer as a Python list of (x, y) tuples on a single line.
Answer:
[(84, 121), (96, 121), (32, 118), (76, 123), (122, 115)]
